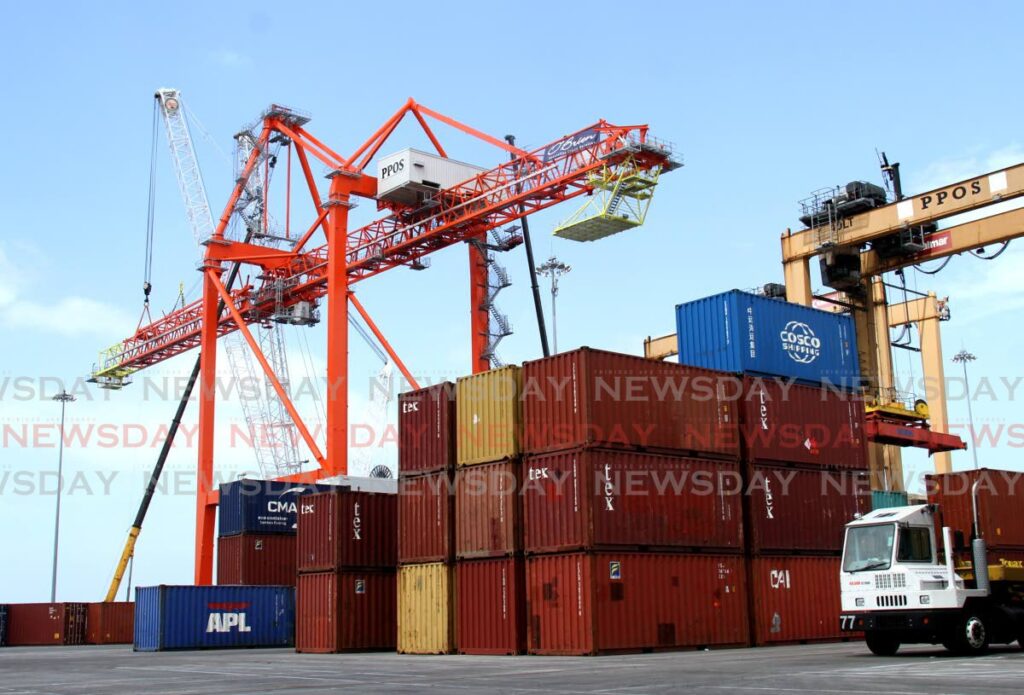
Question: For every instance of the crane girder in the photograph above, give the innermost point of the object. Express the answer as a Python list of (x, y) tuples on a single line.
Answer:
[(490, 200)]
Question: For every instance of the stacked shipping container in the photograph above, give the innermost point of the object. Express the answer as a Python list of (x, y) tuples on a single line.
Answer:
[(426, 519), (345, 591), (632, 506), (803, 448), (490, 573), (256, 532)]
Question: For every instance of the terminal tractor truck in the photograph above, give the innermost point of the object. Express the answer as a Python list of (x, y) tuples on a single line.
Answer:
[(949, 572)]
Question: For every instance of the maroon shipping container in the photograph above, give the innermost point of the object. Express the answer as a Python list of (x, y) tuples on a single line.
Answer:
[(800, 510), (488, 510), (256, 559), (1000, 496), (584, 499), (606, 602), (346, 529), (785, 422), (595, 398), (346, 611), (110, 623), (491, 606), (426, 515), (44, 624), (426, 429), (795, 599)]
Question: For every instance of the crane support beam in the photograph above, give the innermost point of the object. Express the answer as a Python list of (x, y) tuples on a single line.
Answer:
[(935, 205), (383, 341), (995, 229), (660, 348)]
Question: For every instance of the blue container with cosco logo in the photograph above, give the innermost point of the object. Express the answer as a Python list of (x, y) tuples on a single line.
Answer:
[(261, 506), (749, 334)]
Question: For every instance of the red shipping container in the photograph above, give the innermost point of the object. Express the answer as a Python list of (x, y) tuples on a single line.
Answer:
[(488, 510), (795, 599), (595, 398), (785, 422), (800, 510), (110, 623), (426, 429), (1000, 496), (584, 499), (426, 514), (582, 603), (346, 611), (256, 559), (346, 529), (491, 606), (44, 624)]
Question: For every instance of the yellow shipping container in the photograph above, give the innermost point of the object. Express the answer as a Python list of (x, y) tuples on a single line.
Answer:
[(426, 609), (489, 412)]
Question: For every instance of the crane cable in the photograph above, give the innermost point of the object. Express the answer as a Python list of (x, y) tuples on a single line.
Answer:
[(147, 285)]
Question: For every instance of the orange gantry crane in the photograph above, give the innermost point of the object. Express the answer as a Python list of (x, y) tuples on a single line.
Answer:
[(620, 163)]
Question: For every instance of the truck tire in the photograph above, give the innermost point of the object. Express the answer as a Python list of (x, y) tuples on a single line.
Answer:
[(970, 635), (881, 644)]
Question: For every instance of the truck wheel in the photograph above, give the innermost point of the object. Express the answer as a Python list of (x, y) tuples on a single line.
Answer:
[(970, 635), (881, 645)]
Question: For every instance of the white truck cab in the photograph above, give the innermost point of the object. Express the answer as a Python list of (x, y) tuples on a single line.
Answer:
[(897, 589)]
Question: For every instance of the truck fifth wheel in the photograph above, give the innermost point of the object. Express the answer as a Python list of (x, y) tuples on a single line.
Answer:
[(900, 587)]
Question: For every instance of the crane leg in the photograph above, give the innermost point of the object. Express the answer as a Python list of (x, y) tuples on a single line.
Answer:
[(206, 508), (337, 330), (479, 319)]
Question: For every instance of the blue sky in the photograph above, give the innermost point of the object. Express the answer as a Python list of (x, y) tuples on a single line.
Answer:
[(766, 102)]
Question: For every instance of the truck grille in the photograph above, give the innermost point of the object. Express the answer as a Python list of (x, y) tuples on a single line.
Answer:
[(891, 601), (890, 581)]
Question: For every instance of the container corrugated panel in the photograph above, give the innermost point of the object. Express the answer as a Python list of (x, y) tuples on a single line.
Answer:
[(260, 506), (490, 607), (426, 518), (596, 398), (582, 603), (43, 624), (598, 498), (884, 499), (488, 416), (786, 422), (426, 620), (345, 611), (741, 332), (426, 430), (3, 625), (488, 510), (795, 599), (213, 617), (1000, 495), (344, 529), (801, 510), (256, 559), (110, 623)]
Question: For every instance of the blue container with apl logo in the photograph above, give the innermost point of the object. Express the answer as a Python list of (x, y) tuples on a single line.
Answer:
[(746, 333), (213, 617), (261, 506)]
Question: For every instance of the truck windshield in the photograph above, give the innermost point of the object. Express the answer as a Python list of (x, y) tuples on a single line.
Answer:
[(868, 548)]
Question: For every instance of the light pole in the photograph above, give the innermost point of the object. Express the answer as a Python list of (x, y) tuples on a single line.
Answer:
[(553, 268), (963, 357), (63, 398)]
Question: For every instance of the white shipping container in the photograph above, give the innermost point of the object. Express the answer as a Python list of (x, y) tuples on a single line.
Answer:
[(410, 176)]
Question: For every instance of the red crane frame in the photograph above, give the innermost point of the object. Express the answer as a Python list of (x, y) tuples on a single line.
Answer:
[(529, 182)]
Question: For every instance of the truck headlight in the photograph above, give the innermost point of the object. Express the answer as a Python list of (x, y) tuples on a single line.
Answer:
[(859, 602), (925, 600)]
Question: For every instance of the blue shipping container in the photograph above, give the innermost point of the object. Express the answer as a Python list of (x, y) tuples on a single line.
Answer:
[(745, 333), (3, 626), (213, 617), (883, 499), (261, 506)]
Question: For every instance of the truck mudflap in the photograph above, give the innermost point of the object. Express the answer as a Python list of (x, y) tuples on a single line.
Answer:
[(923, 623)]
